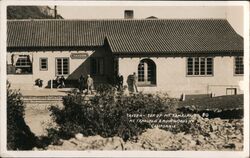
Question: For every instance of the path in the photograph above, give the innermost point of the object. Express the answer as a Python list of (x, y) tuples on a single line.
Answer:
[(37, 113)]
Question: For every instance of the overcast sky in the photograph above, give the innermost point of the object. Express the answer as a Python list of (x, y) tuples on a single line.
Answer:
[(233, 14), (108, 12)]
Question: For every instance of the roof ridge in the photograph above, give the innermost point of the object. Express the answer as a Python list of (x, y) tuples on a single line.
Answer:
[(159, 19)]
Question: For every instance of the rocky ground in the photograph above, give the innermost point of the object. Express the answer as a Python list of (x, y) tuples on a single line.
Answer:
[(206, 134)]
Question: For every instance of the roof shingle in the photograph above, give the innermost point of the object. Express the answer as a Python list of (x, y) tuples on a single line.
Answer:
[(127, 36)]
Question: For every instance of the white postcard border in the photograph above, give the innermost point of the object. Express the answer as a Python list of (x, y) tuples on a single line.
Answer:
[(92, 153)]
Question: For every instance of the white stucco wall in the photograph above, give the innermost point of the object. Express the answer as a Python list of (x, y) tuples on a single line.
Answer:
[(171, 76), (170, 73), (76, 67)]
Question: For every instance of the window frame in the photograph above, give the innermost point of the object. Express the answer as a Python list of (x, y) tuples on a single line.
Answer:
[(147, 83), (235, 65), (231, 90), (205, 66), (98, 73), (40, 64), (24, 66), (68, 67)]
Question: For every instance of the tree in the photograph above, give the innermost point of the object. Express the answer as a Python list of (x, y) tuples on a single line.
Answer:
[(31, 12), (19, 136)]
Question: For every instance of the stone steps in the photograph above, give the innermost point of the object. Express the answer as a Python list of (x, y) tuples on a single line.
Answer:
[(47, 100), (42, 100)]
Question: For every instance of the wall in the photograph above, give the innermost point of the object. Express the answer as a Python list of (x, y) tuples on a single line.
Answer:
[(171, 73), (76, 66), (171, 76)]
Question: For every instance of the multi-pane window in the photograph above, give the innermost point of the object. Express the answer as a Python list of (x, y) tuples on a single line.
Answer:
[(23, 65), (62, 66), (43, 64), (239, 65), (141, 72), (199, 66), (97, 66), (146, 72)]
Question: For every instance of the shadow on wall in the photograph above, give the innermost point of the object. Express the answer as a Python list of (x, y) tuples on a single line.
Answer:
[(84, 69), (72, 79)]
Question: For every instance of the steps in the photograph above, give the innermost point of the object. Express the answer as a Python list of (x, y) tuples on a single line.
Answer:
[(42, 100)]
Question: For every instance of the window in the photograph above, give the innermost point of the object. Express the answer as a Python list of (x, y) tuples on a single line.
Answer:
[(62, 66), (43, 64), (231, 91), (23, 65), (199, 66), (97, 66), (146, 72), (239, 65)]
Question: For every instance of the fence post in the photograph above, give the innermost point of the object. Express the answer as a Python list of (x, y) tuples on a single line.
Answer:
[(183, 96)]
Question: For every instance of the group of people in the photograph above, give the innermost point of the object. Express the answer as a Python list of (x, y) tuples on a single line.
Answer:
[(87, 83), (131, 81), (60, 82)]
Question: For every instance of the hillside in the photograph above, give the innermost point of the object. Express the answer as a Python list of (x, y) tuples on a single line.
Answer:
[(31, 12)]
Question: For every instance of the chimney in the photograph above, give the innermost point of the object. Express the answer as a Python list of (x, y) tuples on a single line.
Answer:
[(55, 12), (128, 14)]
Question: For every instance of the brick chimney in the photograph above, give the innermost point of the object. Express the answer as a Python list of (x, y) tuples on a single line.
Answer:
[(128, 14)]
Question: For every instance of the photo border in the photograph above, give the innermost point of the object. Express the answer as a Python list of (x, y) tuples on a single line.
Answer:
[(97, 153)]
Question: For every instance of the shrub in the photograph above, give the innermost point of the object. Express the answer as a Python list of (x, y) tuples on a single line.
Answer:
[(104, 88), (19, 136), (105, 114)]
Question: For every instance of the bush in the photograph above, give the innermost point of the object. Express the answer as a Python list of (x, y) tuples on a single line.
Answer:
[(105, 114), (19, 136), (103, 88)]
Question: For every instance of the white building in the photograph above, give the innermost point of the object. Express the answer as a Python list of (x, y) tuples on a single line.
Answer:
[(191, 56)]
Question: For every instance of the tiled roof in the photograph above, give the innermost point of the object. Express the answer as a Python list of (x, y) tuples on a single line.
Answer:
[(127, 36)]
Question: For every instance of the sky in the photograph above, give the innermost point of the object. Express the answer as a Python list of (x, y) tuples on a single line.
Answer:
[(117, 12), (234, 14)]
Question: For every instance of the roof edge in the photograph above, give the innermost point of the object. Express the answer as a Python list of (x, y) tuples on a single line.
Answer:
[(119, 19)]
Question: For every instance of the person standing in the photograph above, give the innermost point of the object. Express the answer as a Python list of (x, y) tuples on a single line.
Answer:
[(57, 82), (62, 82), (120, 82), (81, 83), (134, 82), (90, 84)]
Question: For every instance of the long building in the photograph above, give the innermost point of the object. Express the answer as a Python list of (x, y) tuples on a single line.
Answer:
[(176, 56)]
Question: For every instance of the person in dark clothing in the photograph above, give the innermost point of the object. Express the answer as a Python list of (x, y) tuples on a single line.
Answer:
[(62, 82), (120, 82), (81, 83), (57, 82)]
